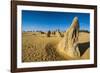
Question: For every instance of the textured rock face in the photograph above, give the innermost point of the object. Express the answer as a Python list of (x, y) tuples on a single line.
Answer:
[(68, 46)]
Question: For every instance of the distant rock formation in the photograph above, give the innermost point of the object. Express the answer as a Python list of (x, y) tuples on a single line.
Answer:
[(68, 46), (49, 33), (58, 34)]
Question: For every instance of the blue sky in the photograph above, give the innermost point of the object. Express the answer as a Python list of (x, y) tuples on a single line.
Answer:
[(44, 20)]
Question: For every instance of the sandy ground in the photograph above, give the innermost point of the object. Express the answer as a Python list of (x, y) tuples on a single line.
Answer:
[(39, 47)]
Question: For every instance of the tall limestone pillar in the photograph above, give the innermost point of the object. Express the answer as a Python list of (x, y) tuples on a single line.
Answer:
[(68, 46)]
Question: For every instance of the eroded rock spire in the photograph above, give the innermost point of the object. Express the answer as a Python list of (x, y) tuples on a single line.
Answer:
[(68, 46)]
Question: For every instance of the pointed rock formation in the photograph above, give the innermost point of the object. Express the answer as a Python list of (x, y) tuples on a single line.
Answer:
[(58, 34), (68, 46)]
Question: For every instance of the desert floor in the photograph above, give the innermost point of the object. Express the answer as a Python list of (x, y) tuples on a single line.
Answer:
[(37, 46)]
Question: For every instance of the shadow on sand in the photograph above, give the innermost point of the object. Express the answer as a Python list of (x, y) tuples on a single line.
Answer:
[(83, 47)]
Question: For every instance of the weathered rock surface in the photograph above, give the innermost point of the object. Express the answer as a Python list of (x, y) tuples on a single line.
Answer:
[(68, 46)]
